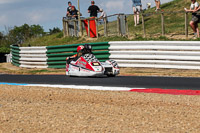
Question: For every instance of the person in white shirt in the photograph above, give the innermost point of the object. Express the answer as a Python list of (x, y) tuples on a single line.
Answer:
[(103, 14), (104, 17), (195, 17)]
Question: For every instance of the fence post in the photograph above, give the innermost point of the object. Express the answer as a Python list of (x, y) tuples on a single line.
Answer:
[(96, 23), (81, 27), (126, 24), (75, 29), (143, 25), (64, 27), (118, 25), (105, 27), (88, 27), (186, 25), (67, 27), (162, 24)]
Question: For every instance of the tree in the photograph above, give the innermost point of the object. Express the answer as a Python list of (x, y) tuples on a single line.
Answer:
[(25, 32), (1, 36), (18, 35), (37, 30), (54, 30)]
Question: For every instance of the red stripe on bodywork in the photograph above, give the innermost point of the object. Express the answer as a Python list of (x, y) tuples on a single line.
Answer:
[(168, 91)]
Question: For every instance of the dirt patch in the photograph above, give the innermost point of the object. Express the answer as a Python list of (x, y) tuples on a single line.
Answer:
[(33, 109), (8, 68)]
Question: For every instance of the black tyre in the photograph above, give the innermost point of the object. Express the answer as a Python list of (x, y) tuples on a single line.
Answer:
[(111, 75)]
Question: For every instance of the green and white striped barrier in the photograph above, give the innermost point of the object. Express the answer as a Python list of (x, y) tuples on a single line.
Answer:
[(145, 54), (57, 54), (53, 56), (30, 57), (15, 55)]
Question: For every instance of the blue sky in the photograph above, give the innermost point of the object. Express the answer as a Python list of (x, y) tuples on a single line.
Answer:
[(49, 13)]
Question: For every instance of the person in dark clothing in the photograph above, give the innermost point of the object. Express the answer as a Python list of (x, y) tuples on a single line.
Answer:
[(81, 50), (69, 9), (93, 9), (74, 13)]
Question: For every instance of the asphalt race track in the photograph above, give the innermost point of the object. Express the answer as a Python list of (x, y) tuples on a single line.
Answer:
[(119, 81)]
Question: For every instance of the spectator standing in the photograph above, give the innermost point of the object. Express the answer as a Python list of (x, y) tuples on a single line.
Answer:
[(105, 19), (157, 5), (74, 12), (137, 7), (103, 14), (148, 5), (195, 17), (93, 9), (69, 9)]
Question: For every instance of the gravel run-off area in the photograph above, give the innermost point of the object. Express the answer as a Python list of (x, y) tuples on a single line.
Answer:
[(55, 110)]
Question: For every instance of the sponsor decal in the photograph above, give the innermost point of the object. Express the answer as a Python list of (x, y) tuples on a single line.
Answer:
[(85, 70), (81, 63)]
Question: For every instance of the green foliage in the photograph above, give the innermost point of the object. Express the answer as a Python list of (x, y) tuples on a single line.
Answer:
[(54, 30), (4, 50), (36, 31), (18, 35), (114, 38), (1, 36), (51, 40), (60, 35), (22, 33)]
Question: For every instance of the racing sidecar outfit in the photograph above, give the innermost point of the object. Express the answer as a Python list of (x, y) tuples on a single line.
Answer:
[(84, 63)]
